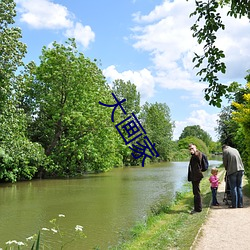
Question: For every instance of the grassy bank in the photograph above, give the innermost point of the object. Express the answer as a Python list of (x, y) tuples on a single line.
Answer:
[(170, 227)]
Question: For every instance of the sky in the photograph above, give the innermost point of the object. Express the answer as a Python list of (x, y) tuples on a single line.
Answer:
[(147, 42)]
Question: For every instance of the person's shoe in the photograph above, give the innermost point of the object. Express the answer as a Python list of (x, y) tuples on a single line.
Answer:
[(194, 212), (241, 206), (231, 206), (217, 204)]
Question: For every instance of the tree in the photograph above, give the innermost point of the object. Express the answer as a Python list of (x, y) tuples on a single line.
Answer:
[(229, 130), (128, 91), (157, 123), (66, 118), (12, 50), (227, 127), (184, 142), (196, 131), (242, 117), (208, 23), (20, 158)]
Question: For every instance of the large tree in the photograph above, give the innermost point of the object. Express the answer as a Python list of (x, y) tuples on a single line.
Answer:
[(196, 131), (211, 63), (184, 142), (66, 118), (19, 158), (12, 51), (156, 120), (227, 127), (127, 90)]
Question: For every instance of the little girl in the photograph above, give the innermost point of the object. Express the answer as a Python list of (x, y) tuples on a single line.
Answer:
[(214, 185)]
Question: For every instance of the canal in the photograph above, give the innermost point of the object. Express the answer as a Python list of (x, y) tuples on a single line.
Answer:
[(105, 204)]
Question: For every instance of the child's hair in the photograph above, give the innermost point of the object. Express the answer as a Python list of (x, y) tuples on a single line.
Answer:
[(214, 170)]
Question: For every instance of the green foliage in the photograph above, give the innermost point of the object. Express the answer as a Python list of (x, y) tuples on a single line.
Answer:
[(215, 147), (205, 28), (156, 120), (196, 131), (227, 127), (128, 91), (12, 50), (233, 123), (201, 146), (20, 158), (241, 116), (65, 116)]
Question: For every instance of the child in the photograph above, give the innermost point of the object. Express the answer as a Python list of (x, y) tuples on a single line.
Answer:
[(214, 185)]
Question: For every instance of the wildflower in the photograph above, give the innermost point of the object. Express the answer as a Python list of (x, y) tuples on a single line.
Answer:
[(54, 230), (29, 238), (61, 215), (45, 229), (20, 243), (10, 242), (78, 228)]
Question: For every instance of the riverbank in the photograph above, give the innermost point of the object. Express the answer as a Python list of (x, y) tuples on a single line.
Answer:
[(171, 227)]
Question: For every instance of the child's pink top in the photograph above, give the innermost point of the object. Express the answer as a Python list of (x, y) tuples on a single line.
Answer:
[(214, 181)]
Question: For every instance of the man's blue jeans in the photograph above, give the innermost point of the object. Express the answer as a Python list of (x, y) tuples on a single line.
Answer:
[(235, 182)]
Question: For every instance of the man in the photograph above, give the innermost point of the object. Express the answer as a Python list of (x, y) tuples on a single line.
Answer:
[(235, 169), (195, 175)]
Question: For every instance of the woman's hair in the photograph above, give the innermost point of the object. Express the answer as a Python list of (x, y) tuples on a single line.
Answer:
[(214, 170)]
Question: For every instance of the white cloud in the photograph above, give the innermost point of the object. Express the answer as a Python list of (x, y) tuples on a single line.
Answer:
[(83, 34), (165, 33), (44, 14), (234, 41), (198, 117), (143, 80)]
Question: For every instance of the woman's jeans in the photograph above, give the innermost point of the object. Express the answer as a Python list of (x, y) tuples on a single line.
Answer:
[(235, 182), (214, 196)]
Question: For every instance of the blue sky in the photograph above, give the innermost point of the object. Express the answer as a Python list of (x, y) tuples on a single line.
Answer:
[(148, 42)]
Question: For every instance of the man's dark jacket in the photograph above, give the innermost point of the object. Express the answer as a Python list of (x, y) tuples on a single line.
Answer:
[(194, 168)]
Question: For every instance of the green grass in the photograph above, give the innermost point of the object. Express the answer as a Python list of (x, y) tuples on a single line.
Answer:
[(170, 226)]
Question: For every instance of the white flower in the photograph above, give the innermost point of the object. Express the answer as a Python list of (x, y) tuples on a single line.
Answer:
[(54, 230), (61, 215), (10, 242), (45, 229), (20, 243), (78, 228), (29, 238)]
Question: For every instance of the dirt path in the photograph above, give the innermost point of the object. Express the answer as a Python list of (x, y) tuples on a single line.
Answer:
[(225, 228)]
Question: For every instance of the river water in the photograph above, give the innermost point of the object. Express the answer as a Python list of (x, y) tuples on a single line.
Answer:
[(105, 204)]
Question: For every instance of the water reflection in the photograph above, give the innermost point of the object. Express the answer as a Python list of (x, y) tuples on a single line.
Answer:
[(105, 204)]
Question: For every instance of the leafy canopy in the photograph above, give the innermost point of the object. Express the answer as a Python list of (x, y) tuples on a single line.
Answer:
[(205, 28)]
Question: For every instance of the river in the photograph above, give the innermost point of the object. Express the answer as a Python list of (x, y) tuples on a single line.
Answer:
[(105, 204)]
